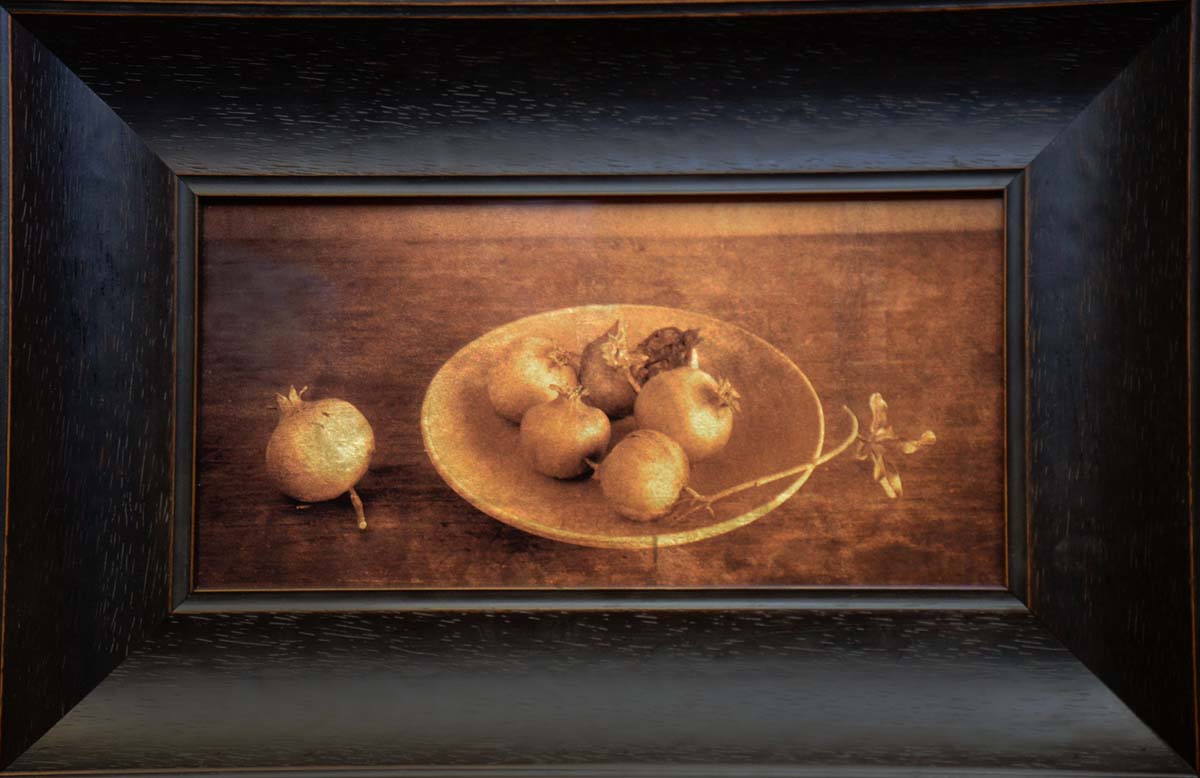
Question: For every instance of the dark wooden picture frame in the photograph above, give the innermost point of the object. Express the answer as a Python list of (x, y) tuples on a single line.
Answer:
[(122, 116)]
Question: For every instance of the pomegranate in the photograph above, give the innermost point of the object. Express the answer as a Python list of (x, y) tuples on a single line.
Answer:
[(643, 475), (319, 450), (526, 374), (604, 370), (561, 436), (691, 407)]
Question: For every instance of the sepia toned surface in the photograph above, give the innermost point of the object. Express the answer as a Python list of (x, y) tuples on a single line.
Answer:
[(366, 301)]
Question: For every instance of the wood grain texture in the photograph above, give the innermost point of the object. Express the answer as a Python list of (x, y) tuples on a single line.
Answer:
[(1193, 237), (1109, 388), (366, 301), (606, 96), (752, 691), (541, 8), (631, 771), (5, 300), (91, 393), (534, 9)]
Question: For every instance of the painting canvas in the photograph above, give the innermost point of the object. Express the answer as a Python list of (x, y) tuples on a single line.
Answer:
[(667, 392)]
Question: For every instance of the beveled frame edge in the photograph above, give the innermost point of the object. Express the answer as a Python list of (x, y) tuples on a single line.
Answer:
[(610, 185), (441, 600), (604, 771), (6, 244), (186, 237), (1193, 355), (195, 190), (527, 9)]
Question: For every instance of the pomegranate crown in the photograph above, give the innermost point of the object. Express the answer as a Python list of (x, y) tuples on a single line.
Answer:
[(728, 396), (615, 349), (562, 358), (291, 402), (576, 392)]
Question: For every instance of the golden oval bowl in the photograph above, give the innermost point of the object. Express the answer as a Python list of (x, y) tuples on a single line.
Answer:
[(477, 453)]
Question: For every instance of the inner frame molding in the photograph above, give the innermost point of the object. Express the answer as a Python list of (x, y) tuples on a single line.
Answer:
[(195, 192)]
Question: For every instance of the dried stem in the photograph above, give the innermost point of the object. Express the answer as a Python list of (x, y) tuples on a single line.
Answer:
[(616, 354), (637, 388), (699, 501), (356, 501)]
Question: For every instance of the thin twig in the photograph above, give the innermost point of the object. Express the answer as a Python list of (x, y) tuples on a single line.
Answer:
[(700, 501), (356, 501), (637, 388)]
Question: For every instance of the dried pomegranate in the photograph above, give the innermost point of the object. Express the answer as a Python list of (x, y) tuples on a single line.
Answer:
[(560, 436), (691, 407), (319, 450), (643, 475), (526, 374)]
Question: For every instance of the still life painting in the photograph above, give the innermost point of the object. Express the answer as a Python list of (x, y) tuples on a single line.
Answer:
[(600, 393)]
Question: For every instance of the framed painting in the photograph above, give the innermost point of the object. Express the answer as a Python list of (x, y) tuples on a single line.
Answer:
[(600, 388), (843, 282)]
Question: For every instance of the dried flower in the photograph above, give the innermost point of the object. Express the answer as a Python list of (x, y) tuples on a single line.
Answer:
[(666, 349), (879, 437), (616, 348)]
